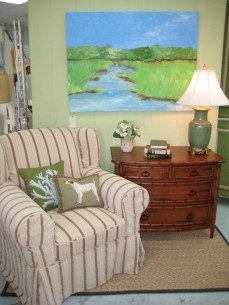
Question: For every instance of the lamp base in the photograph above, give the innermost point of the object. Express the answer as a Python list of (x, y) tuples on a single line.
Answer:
[(198, 151), (199, 131)]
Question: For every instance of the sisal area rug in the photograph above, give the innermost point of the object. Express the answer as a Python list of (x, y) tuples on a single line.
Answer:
[(175, 262)]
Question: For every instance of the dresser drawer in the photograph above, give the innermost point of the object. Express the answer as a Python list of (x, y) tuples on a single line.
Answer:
[(145, 172), (176, 216), (179, 192), (192, 172)]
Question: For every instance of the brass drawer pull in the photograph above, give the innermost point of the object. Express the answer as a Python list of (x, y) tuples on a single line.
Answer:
[(190, 216), (192, 193), (194, 173), (144, 217), (145, 174)]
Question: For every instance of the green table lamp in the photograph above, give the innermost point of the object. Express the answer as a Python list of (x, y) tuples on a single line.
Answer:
[(203, 91)]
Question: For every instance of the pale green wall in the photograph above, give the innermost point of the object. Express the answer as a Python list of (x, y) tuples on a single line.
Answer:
[(49, 74)]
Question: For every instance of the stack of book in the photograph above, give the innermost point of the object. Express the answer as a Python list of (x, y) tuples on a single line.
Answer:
[(157, 149)]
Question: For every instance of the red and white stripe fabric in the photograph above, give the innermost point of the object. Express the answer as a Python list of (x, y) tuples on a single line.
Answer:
[(48, 256), (3, 167)]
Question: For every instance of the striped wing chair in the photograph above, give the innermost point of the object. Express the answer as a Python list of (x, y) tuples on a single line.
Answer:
[(47, 256)]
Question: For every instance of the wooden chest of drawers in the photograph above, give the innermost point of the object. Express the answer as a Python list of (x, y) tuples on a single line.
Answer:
[(183, 190)]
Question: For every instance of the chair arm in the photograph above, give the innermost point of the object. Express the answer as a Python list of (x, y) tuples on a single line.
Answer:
[(26, 226), (121, 197)]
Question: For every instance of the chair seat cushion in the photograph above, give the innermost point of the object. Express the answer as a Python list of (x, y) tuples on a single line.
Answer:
[(80, 230)]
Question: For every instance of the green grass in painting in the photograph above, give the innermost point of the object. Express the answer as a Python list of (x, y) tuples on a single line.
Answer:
[(81, 71), (160, 73), (165, 80)]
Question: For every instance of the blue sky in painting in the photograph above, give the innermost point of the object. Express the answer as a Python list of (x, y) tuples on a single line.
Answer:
[(127, 30)]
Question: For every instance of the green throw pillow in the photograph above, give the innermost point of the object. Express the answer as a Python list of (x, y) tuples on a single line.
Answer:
[(77, 193), (40, 186)]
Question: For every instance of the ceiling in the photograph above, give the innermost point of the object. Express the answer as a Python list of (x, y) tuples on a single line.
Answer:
[(9, 12)]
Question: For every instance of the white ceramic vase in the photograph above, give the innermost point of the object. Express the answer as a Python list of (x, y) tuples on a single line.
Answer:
[(127, 144)]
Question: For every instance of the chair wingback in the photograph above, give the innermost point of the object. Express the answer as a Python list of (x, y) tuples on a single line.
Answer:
[(89, 147), (42, 147)]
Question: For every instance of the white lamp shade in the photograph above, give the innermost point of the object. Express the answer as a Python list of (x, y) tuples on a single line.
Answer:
[(15, 1), (204, 90)]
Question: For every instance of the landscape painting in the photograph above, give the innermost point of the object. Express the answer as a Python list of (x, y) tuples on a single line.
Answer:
[(129, 61)]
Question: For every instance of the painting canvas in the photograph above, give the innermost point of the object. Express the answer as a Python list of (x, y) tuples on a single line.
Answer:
[(129, 61)]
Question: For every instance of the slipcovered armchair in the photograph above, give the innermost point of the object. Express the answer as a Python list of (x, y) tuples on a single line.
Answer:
[(46, 256)]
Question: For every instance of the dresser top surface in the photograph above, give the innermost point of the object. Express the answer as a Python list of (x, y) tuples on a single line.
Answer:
[(180, 154)]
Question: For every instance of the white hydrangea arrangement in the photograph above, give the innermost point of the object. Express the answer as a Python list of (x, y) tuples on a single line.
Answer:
[(126, 129)]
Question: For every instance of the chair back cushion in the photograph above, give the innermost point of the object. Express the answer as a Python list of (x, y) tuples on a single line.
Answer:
[(89, 147), (46, 146)]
